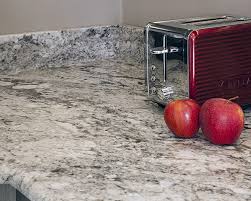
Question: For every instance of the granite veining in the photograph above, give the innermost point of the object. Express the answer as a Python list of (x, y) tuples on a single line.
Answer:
[(88, 132), (70, 47)]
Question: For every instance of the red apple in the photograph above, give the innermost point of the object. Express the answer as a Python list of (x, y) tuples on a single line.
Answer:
[(222, 121), (182, 117)]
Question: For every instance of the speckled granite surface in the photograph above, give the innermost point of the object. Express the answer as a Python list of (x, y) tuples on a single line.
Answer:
[(89, 133), (70, 47)]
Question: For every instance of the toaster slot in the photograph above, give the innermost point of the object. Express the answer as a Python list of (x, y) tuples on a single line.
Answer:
[(212, 21), (205, 19)]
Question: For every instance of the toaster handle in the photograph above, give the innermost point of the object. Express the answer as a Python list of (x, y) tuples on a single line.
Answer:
[(161, 50)]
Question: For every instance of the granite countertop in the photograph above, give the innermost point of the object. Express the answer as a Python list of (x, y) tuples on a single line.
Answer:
[(76, 125), (88, 132)]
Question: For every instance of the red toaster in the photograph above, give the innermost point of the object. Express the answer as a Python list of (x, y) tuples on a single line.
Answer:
[(199, 58)]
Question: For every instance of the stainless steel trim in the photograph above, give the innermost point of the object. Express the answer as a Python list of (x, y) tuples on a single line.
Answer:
[(188, 64), (147, 59)]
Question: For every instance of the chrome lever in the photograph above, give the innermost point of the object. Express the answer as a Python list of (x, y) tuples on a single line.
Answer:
[(161, 50)]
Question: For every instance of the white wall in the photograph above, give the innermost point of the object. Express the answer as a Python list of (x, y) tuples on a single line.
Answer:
[(18, 16), (139, 12)]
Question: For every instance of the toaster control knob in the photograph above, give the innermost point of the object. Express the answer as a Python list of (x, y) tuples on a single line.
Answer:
[(153, 67), (153, 78)]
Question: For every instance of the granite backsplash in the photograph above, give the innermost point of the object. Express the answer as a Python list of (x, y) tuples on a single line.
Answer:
[(70, 47)]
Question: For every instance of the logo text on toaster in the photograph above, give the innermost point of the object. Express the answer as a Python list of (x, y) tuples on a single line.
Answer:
[(235, 83)]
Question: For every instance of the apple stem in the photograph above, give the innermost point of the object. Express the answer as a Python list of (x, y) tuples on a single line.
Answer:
[(234, 98)]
